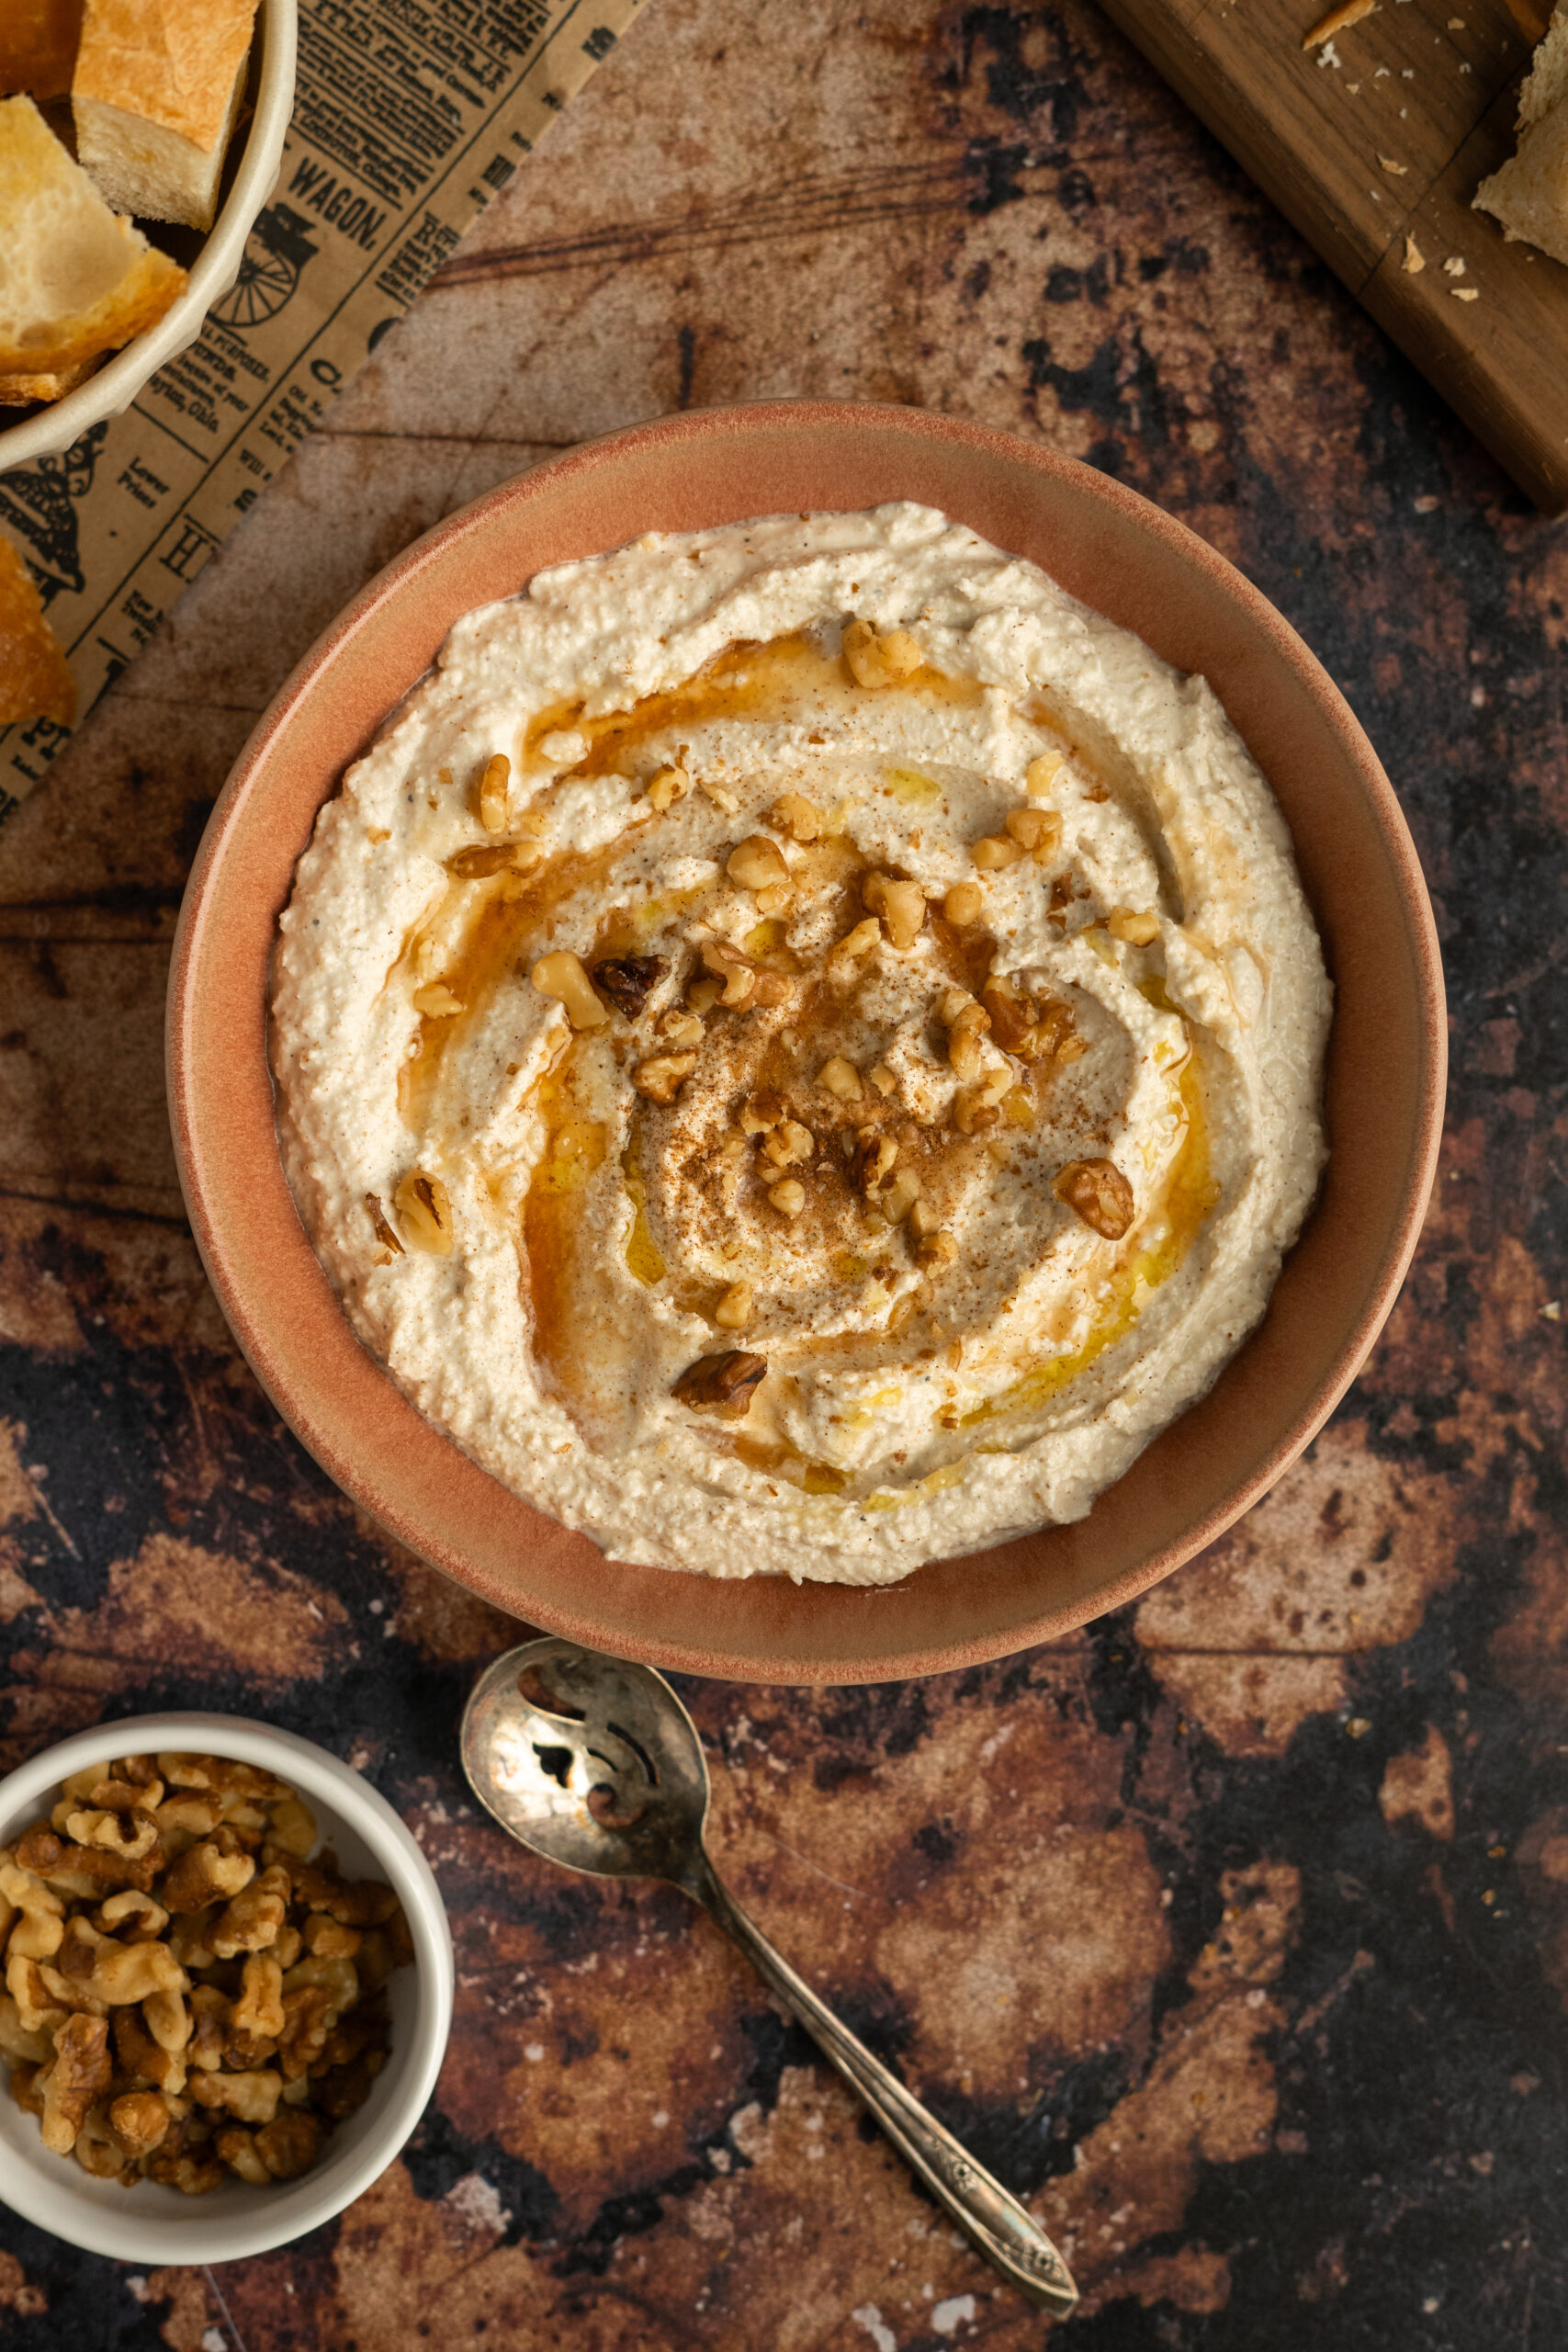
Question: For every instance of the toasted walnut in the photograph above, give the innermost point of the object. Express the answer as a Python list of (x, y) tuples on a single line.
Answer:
[(963, 905), (127, 1972), (844, 959), (255, 1916), (190, 1815), (287, 2146), (561, 976), (38, 1932), (209, 2028), (993, 851), (734, 1309), (661, 1079), (129, 1834), (125, 1796), (762, 1111), (788, 1198), (1042, 773), (144, 2059), (900, 1196), (1032, 829), (723, 1383), (901, 905), (292, 1825), (493, 793), (794, 815), (967, 1027), (38, 1849), (328, 1939), (772, 987), (100, 2149), (736, 976), (249, 2097), (220, 1777), (1096, 1190), (629, 980), (425, 1209), (935, 1250), (882, 1078), (141, 2119), (206, 1873), (718, 794), (191, 2169), (1137, 929), (775, 899), (874, 1156), (841, 1078), (1012, 1018), (878, 658), (972, 1114), (679, 1028), (757, 863), (308, 2017), (789, 1145), (236, 2147), (669, 786), (19, 2044), (168, 2019), (79, 2072)]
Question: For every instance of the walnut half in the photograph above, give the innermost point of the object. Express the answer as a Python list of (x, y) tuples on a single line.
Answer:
[(723, 1384)]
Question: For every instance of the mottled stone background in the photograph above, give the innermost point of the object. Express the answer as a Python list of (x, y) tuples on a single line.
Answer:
[(1234, 1931)]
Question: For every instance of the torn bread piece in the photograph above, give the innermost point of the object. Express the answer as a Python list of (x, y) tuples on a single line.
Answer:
[(75, 281), (21, 389), (157, 95), (38, 46), (1529, 194), (34, 680)]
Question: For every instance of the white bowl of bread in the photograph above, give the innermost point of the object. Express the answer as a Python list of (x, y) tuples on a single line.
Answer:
[(125, 125)]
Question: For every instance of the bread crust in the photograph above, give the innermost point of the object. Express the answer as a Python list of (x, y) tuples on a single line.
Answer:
[(35, 682), (172, 62), (21, 389), (38, 46)]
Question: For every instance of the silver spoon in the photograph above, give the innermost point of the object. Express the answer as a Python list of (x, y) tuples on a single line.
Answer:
[(595, 1764)]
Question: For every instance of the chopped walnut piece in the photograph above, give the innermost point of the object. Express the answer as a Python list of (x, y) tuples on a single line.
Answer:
[(249, 2097), (878, 658), (772, 987), (144, 2059), (901, 905), (967, 1027), (205, 1874), (79, 2072), (736, 976), (993, 851), (493, 793), (972, 1114), (1039, 831), (1042, 773), (37, 1935), (292, 1825), (788, 1198), (734, 1309), (794, 815), (661, 1079), (237, 2148), (874, 1156), (1138, 928), (287, 2144), (678, 1028), (762, 1111), (841, 1078), (17, 2043), (561, 976), (789, 1145), (963, 905), (723, 1383), (629, 980), (328, 1939), (1096, 1190), (141, 2119), (757, 863), (130, 1835), (424, 1208), (900, 1196), (255, 1916), (718, 796), (935, 1250), (669, 786), (704, 993), (477, 865), (123, 1973), (882, 1078), (844, 959)]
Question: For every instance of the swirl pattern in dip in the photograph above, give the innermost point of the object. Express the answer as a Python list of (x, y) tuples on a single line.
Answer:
[(800, 1045)]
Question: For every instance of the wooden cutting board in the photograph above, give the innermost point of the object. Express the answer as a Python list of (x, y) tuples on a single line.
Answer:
[(1430, 86)]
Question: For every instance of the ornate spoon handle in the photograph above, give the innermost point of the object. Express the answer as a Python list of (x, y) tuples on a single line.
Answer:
[(1009, 2237)]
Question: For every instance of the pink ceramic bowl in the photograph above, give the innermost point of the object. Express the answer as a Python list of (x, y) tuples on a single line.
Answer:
[(1384, 1081)]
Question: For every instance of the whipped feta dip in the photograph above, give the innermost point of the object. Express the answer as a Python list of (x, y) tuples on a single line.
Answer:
[(800, 1045)]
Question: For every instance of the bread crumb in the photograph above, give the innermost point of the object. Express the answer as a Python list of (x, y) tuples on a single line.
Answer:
[(1455, 265), (1426, 503), (1337, 20), (1414, 259), (1456, 24), (1330, 57), (1465, 293), (1389, 164)]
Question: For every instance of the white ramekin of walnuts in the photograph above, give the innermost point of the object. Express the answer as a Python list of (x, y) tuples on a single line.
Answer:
[(227, 1988)]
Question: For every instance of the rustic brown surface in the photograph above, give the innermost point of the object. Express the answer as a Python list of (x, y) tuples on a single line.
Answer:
[(1234, 1932), (1382, 133)]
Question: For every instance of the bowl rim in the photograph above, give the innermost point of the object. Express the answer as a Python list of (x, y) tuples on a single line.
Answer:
[(286, 1366), (110, 390), (286, 2212)]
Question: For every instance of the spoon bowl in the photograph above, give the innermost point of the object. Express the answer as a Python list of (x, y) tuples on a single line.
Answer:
[(594, 1763)]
